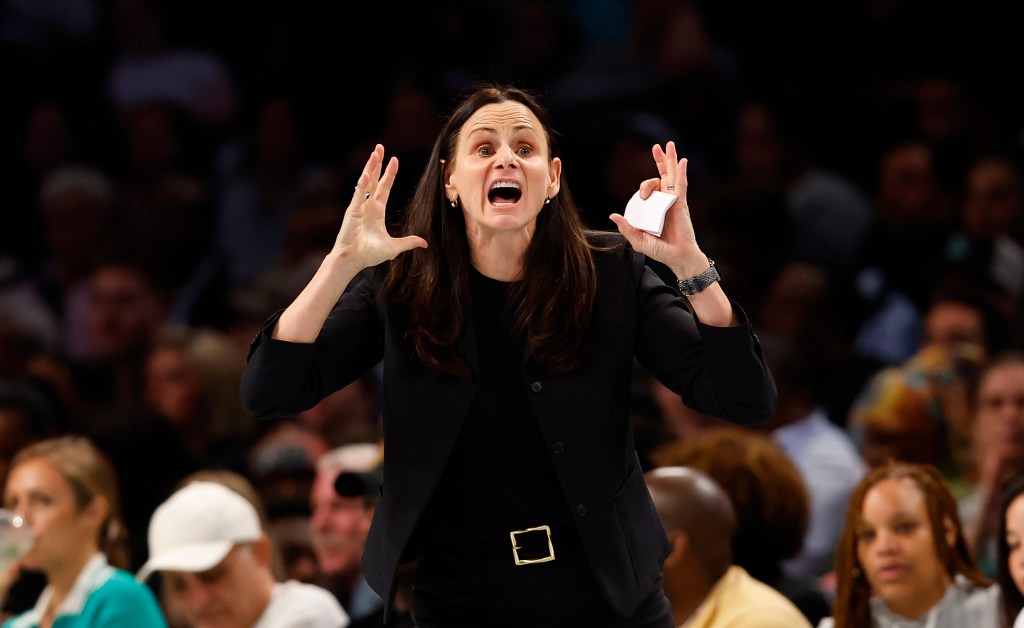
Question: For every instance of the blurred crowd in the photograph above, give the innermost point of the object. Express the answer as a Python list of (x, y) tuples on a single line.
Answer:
[(175, 171)]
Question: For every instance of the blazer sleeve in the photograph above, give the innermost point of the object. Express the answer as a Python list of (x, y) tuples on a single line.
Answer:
[(719, 371), (284, 378)]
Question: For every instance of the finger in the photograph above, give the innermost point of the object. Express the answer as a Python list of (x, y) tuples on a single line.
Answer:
[(671, 168), (647, 186), (387, 181), (682, 182), (365, 179), (660, 161), (633, 235), (373, 168), (408, 243)]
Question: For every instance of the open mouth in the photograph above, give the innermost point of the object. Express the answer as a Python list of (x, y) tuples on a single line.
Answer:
[(504, 193)]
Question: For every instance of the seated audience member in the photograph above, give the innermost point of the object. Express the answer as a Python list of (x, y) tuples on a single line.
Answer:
[(706, 590), (997, 451), (66, 490), (903, 559), (340, 524), (241, 485), (215, 558), (191, 379), (771, 502), (823, 452), (1010, 568), (344, 499), (920, 411)]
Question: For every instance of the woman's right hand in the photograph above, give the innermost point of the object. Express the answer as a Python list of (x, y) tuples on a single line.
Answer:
[(363, 241), (363, 238)]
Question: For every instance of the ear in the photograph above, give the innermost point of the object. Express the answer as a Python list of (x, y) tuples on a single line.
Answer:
[(262, 550), (450, 191), (97, 510), (947, 523), (554, 176), (680, 544)]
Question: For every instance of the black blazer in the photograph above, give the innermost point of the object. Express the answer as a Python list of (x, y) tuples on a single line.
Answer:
[(584, 416)]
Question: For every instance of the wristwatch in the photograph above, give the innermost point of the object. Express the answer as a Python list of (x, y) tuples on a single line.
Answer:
[(690, 287)]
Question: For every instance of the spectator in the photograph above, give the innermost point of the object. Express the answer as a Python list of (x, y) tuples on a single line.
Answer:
[(208, 542), (771, 502), (1010, 567), (706, 590), (340, 525), (67, 492), (920, 411), (823, 452), (997, 451), (191, 379), (903, 558)]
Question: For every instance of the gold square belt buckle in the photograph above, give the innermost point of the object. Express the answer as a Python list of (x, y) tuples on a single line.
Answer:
[(530, 561)]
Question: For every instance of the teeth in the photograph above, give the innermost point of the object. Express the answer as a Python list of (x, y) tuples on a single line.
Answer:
[(505, 184)]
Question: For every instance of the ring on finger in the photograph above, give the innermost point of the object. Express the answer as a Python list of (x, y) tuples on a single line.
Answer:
[(671, 187), (367, 196)]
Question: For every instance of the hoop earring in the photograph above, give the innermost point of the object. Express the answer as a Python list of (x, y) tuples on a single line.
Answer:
[(454, 201)]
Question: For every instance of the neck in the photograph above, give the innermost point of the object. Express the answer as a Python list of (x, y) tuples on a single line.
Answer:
[(62, 577), (688, 597), (918, 607), (499, 256)]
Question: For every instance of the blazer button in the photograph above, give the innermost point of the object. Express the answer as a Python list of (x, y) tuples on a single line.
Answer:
[(536, 386), (581, 510), (557, 447)]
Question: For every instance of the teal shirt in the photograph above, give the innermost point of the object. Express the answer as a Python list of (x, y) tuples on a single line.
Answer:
[(102, 597)]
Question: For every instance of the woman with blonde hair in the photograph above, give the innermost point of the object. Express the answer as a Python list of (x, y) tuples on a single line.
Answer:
[(903, 559), (66, 490)]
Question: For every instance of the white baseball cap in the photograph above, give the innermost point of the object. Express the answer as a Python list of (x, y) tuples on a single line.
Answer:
[(196, 528)]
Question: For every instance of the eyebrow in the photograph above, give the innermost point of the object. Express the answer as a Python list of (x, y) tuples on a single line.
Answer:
[(491, 129)]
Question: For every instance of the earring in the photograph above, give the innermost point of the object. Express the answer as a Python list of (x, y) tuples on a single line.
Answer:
[(547, 200), (454, 201)]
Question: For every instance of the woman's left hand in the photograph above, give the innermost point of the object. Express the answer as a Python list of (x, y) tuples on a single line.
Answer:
[(677, 247)]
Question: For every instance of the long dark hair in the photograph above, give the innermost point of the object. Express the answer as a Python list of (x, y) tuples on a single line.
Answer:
[(554, 299), (1012, 598)]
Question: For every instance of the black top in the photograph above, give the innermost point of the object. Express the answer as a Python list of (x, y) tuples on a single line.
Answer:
[(499, 477)]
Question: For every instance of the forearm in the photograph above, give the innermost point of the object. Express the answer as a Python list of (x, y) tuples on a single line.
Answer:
[(711, 306), (302, 320)]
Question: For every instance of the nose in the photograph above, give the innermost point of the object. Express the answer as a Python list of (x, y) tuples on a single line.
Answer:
[(506, 157), (318, 520), (193, 595), (885, 542), (21, 510)]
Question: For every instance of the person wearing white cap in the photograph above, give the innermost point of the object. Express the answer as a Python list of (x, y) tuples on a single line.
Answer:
[(207, 541)]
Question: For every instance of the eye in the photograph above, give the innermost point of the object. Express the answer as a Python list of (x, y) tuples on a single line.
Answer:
[(485, 151), (905, 528), (525, 151), (1013, 545), (865, 536)]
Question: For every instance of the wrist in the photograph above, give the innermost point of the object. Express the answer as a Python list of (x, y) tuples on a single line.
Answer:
[(690, 285)]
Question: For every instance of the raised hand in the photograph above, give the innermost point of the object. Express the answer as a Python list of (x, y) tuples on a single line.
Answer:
[(677, 247), (363, 237)]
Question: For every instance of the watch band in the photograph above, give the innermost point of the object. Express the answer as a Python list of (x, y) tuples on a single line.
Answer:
[(690, 287)]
